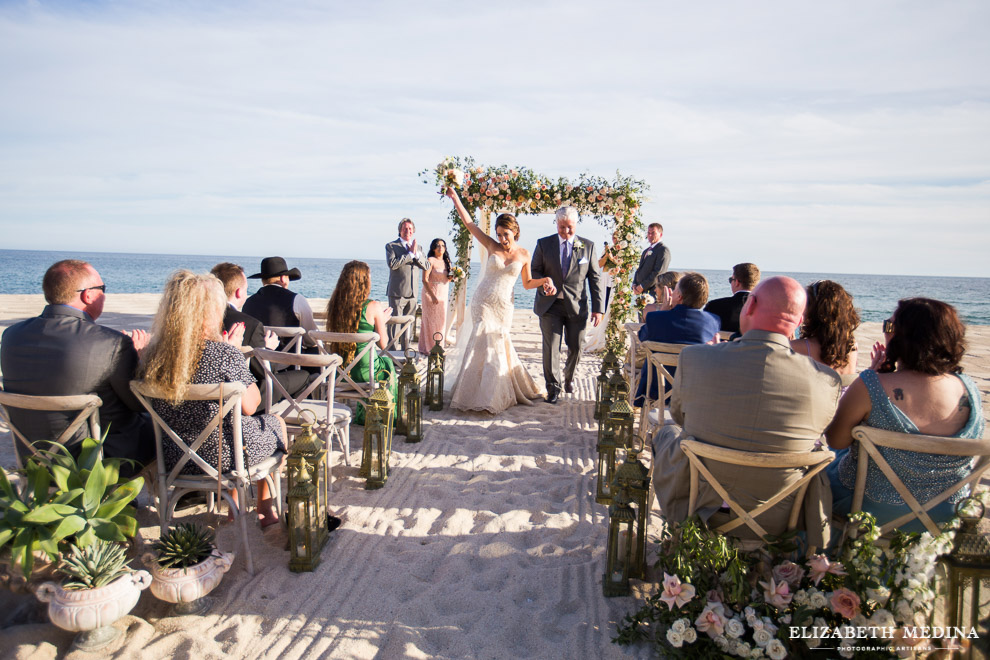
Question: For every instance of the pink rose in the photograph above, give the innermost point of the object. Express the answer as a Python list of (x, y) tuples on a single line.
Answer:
[(711, 620), (675, 594), (788, 572), (778, 595), (819, 565), (844, 603)]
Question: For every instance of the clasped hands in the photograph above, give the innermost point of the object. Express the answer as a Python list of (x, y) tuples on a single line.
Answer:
[(548, 288)]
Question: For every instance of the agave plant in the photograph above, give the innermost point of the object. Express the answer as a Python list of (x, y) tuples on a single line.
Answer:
[(94, 565), (185, 545)]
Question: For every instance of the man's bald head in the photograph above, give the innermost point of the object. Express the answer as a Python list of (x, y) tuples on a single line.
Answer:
[(775, 305)]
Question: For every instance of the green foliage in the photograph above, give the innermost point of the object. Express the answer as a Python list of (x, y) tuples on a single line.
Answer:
[(65, 499), (94, 565), (184, 545)]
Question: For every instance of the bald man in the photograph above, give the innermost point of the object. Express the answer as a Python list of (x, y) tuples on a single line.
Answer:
[(754, 394)]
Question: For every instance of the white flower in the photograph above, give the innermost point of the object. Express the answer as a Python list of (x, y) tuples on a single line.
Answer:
[(741, 648), (762, 637), (776, 650), (818, 601), (690, 635), (878, 595), (721, 642), (756, 653), (749, 611), (675, 639), (679, 626), (734, 628), (800, 597), (883, 619)]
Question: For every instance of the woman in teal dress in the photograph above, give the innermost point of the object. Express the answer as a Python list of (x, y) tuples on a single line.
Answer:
[(350, 310)]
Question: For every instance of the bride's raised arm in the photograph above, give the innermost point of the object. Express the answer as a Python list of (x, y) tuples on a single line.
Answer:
[(491, 245), (530, 282)]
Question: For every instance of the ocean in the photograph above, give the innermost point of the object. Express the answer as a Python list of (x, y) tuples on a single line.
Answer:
[(875, 295)]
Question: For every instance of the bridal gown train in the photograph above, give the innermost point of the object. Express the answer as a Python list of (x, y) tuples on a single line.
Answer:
[(491, 377)]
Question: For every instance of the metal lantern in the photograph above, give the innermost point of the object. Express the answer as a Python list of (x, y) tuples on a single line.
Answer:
[(306, 528), (619, 549), (606, 465), (309, 449), (377, 438), (434, 374), (968, 566), (609, 364), (407, 376), (621, 418), (414, 408), (633, 478)]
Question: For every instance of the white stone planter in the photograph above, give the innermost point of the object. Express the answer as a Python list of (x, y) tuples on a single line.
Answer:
[(92, 611), (186, 586)]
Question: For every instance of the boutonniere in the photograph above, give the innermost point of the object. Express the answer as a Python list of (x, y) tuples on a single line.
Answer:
[(649, 252), (578, 247)]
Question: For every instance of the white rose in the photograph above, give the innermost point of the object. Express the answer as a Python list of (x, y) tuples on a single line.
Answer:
[(800, 597), (721, 642), (762, 637), (679, 626), (742, 649), (756, 654), (675, 639), (690, 635), (818, 601), (734, 628), (776, 650), (883, 619)]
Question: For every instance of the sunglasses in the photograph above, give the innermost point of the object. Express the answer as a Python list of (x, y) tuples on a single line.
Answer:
[(888, 327), (731, 280), (101, 287)]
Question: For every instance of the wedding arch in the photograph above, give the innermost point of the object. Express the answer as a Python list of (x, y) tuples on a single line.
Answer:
[(616, 204)]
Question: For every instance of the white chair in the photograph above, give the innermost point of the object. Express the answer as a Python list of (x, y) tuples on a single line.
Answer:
[(659, 356), (87, 407), (171, 484), (333, 419), (632, 329), (292, 336), (346, 386), (725, 335), (870, 439), (393, 347), (813, 461)]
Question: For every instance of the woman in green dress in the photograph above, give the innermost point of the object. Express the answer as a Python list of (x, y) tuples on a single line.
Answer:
[(350, 310)]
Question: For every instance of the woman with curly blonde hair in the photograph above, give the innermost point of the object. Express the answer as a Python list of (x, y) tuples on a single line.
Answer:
[(829, 327), (350, 310), (188, 347)]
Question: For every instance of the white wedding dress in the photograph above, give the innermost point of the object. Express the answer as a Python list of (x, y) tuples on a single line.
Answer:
[(491, 376)]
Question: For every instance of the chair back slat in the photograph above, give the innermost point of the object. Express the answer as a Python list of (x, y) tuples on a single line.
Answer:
[(86, 407), (344, 382)]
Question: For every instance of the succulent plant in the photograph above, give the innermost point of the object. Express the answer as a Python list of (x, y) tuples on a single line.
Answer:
[(94, 565), (184, 545)]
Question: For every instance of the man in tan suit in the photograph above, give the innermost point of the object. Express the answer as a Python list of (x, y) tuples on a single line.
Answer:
[(754, 394)]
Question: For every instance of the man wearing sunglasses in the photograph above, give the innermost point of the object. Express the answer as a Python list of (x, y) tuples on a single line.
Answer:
[(744, 279), (64, 352)]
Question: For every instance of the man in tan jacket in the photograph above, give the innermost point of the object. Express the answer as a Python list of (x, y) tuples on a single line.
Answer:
[(754, 394)]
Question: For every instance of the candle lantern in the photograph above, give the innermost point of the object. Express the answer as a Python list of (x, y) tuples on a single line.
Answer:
[(306, 528), (406, 378), (609, 363), (633, 478), (619, 551), (309, 449), (414, 408), (606, 465), (968, 566), (434, 374), (621, 417), (377, 438)]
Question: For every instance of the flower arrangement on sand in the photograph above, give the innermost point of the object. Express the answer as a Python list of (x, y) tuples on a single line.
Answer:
[(717, 602), (615, 204)]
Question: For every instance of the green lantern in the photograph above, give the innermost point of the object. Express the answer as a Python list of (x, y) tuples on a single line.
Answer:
[(619, 551), (407, 377), (633, 478), (414, 408), (967, 566), (377, 438), (305, 525), (621, 417), (309, 449), (434, 374), (609, 364), (606, 465)]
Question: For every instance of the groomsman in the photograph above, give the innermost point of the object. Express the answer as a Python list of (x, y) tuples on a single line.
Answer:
[(654, 260), (404, 256)]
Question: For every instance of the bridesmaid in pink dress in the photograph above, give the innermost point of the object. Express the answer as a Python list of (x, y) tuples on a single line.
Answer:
[(436, 281)]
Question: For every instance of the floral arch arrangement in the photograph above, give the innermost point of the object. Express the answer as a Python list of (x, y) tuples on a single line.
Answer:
[(616, 205)]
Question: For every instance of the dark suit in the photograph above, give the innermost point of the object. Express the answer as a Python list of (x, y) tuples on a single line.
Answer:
[(293, 380), (565, 317), (64, 352), (652, 263), (728, 309), (680, 325)]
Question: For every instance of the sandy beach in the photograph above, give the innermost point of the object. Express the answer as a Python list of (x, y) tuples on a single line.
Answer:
[(485, 543)]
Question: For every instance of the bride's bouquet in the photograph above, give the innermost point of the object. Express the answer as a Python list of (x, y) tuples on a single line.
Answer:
[(452, 176), (456, 274)]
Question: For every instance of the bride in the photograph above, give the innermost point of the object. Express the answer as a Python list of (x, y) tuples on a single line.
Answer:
[(491, 376)]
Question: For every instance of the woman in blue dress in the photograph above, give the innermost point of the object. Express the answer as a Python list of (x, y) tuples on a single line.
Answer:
[(915, 385)]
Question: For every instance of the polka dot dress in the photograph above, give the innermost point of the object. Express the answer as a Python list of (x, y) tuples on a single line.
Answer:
[(219, 363)]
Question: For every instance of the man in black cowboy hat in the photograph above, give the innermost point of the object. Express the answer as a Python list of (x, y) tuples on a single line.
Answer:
[(274, 304)]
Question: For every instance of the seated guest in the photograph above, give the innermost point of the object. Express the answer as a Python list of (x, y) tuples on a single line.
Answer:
[(189, 348), (756, 395), (350, 310), (743, 279), (235, 287), (829, 327), (64, 352), (275, 305), (914, 386), (666, 280), (678, 321)]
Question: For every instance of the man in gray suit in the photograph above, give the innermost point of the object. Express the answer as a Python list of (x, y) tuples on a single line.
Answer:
[(404, 256), (754, 394), (654, 260), (569, 261), (64, 352)]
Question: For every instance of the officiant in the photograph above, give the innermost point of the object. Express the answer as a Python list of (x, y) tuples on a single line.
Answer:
[(404, 256)]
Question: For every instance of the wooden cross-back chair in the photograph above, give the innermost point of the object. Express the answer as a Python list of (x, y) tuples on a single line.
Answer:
[(291, 337), (86, 407), (871, 439), (171, 484), (813, 461), (405, 330), (346, 386), (659, 357)]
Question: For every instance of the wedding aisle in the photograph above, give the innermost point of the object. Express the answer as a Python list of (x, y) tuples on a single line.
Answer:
[(485, 543)]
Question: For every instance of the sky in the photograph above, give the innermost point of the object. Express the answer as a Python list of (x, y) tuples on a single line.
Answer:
[(801, 136)]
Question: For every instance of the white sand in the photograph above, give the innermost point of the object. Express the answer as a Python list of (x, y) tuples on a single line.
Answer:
[(485, 543)]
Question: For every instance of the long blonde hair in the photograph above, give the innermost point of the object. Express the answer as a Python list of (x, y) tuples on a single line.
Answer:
[(190, 312), (346, 302)]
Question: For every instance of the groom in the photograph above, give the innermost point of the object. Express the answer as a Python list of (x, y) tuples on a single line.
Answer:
[(568, 260)]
